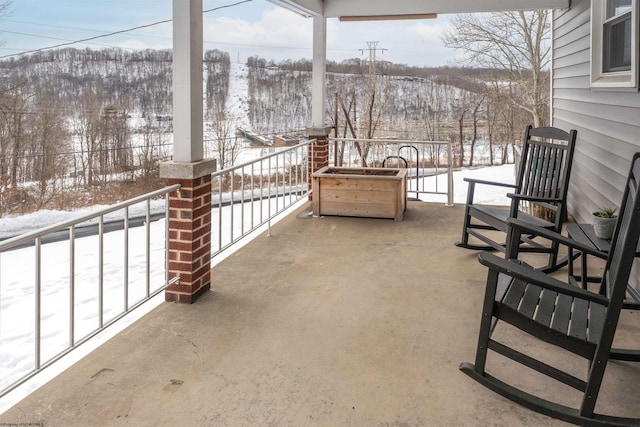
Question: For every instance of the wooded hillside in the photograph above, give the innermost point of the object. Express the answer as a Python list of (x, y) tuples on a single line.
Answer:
[(73, 119)]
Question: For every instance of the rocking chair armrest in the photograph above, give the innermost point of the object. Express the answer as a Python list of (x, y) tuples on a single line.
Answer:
[(474, 181), (526, 198), (528, 228), (536, 277)]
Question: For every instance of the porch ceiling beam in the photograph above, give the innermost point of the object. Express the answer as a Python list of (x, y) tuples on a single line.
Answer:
[(306, 8), (387, 17), (338, 8)]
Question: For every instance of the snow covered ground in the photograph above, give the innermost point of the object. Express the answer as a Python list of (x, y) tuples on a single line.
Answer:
[(17, 315), (237, 103)]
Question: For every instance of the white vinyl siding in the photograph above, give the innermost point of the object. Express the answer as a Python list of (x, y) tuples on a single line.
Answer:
[(608, 122)]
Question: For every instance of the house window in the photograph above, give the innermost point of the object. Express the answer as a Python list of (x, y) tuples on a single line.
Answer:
[(614, 44)]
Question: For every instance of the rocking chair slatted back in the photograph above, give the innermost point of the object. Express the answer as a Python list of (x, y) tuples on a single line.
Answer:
[(546, 164)]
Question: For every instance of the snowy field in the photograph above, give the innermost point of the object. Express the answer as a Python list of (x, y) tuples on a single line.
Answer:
[(17, 315)]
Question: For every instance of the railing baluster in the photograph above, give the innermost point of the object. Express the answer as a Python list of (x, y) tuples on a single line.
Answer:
[(231, 212), (261, 188), (1, 293), (101, 271), (72, 285), (166, 239), (269, 200), (220, 213), (296, 171), (38, 301), (126, 259), (148, 244), (253, 188), (242, 203), (449, 176), (277, 182)]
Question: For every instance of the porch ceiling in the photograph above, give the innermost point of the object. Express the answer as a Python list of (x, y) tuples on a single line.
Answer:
[(338, 8)]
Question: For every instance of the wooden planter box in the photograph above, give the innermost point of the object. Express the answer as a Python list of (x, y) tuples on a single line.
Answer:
[(362, 192)]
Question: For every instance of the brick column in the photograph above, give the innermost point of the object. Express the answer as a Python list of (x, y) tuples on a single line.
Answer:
[(318, 152), (189, 244)]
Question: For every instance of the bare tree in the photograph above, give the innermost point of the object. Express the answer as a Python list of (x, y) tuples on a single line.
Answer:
[(14, 107), (223, 140), (477, 102), (49, 139), (434, 115), (87, 127), (461, 106), (516, 42), (154, 136), (115, 153)]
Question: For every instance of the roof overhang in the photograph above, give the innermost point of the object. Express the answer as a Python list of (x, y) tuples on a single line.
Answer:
[(389, 8)]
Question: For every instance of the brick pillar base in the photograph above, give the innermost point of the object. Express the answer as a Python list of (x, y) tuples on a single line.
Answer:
[(318, 152), (189, 243)]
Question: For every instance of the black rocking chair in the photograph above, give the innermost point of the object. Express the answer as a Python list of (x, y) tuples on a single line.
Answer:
[(564, 315), (542, 183)]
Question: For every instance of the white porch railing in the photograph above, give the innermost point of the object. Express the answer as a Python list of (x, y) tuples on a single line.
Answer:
[(54, 293), (423, 159), (249, 196)]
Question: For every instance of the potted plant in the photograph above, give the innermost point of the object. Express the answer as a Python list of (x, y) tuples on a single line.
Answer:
[(604, 222)]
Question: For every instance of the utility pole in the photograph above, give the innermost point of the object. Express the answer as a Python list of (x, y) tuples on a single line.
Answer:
[(373, 59)]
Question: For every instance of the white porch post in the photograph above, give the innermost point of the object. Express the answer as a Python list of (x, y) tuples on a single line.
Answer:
[(318, 97), (187, 80)]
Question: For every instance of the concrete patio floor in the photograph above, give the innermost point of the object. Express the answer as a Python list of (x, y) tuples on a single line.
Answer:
[(330, 322)]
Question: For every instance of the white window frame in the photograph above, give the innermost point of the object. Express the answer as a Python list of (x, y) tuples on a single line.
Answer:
[(618, 80)]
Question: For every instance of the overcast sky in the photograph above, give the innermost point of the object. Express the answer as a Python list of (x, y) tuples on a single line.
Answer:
[(253, 28)]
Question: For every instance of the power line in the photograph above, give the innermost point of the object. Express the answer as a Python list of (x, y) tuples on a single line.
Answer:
[(73, 28), (90, 38), (113, 33), (45, 37)]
